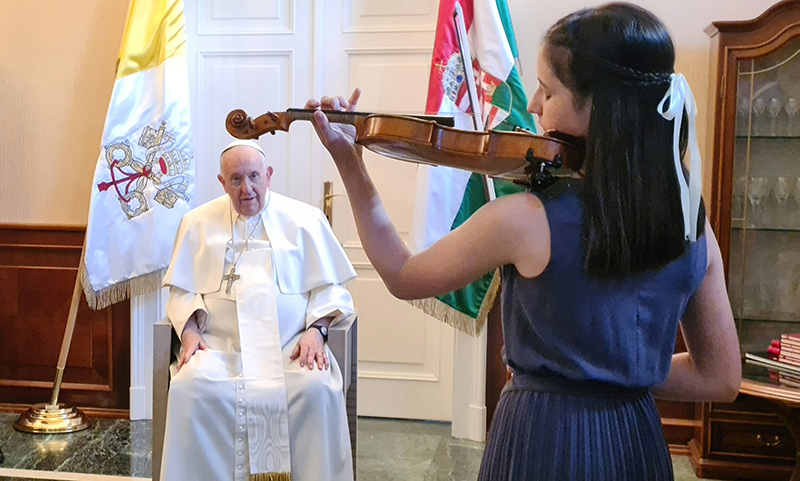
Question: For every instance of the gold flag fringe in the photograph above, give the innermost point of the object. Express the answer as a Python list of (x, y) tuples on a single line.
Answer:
[(457, 319), (121, 290), (271, 477)]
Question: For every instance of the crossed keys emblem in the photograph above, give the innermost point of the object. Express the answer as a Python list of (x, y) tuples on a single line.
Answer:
[(130, 177)]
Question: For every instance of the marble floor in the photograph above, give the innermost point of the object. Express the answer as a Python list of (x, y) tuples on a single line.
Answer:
[(115, 450)]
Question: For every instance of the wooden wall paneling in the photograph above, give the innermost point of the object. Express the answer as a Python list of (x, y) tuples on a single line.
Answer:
[(38, 266)]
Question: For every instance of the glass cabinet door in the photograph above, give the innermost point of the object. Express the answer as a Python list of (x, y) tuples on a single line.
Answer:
[(764, 259)]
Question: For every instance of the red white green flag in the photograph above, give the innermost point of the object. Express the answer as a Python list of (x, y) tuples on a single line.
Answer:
[(446, 197)]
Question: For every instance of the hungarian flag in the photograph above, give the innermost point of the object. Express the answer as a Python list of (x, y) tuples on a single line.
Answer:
[(446, 197), (145, 176)]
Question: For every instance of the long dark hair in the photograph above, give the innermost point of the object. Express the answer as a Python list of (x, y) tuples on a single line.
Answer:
[(621, 56)]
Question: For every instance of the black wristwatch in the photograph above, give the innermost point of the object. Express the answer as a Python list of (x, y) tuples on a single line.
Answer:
[(322, 330)]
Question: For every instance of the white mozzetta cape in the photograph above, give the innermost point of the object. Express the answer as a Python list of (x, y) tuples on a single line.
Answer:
[(305, 253)]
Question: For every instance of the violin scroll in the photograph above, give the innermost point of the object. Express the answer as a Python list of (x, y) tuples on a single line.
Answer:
[(239, 124), (242, 126), (239, 118)]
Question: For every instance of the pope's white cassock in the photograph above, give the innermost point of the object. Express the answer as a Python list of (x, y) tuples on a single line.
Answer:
[(241, 410)]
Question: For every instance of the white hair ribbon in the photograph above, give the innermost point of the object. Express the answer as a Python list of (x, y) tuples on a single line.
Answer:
[(680, 96)]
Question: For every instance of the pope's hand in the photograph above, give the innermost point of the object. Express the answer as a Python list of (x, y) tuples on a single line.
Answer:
[(191, 342), (309, 348), (339, 139)]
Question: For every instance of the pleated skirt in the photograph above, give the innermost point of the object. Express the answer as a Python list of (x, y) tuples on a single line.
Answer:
[(550, 428)]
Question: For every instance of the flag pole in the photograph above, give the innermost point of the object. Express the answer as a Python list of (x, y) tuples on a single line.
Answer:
[(472, 91), (52, 417), (479, 343)]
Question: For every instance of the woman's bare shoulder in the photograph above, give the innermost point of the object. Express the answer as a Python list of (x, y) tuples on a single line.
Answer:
[(523, 222), (519, 209)]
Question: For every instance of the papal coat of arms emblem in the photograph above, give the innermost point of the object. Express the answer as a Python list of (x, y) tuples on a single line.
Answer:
[(163, 168)]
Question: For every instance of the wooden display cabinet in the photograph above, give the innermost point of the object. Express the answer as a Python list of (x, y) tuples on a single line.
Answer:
[(755, 212)]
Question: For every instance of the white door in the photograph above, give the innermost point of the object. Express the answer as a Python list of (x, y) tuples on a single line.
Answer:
[(248, 54), (253, 55), (262, 55), (405, 358)]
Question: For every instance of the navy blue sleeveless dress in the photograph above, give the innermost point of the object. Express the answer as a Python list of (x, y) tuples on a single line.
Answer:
[(584, 352)]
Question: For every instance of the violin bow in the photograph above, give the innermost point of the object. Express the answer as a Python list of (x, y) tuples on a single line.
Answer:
[(469, 73)]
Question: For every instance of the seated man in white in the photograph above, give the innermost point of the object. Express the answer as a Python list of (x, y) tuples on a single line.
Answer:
[(255, 280)]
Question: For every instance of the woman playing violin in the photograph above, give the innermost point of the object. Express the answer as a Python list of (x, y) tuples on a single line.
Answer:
[(597, 279)]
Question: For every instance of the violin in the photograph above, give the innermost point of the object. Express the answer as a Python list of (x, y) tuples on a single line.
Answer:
[(519, 156)]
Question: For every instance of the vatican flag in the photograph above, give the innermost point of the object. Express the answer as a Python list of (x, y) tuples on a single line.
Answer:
[(145, 176)]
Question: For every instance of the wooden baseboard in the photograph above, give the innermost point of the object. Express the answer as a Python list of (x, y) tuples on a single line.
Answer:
[(679, 432), (725, 469), (679, 449)]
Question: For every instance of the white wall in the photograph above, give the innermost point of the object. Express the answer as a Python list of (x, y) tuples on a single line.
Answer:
[(686, 20), (56, 74)]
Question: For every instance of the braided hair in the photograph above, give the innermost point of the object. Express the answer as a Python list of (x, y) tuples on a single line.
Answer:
[(621, 57), (632, 77)]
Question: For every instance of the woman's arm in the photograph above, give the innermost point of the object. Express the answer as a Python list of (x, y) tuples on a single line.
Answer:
[(510, 230), (484, 242), (711, 370)]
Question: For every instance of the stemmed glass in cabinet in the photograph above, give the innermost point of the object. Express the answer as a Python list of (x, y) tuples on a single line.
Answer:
[(792, 106), (757, 191)]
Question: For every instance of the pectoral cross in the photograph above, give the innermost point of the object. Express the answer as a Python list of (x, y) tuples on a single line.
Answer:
[(230, 279)]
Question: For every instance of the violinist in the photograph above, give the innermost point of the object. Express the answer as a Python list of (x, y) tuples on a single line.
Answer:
[(596, 279)]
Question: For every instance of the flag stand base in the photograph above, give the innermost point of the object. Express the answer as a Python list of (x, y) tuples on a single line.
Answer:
[(52, 419), (55, 417)]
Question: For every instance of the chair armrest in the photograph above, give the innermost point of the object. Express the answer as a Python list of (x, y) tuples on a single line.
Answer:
[(342, 343)]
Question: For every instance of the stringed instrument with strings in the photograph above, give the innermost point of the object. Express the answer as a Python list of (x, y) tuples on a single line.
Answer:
[(520, 157)]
